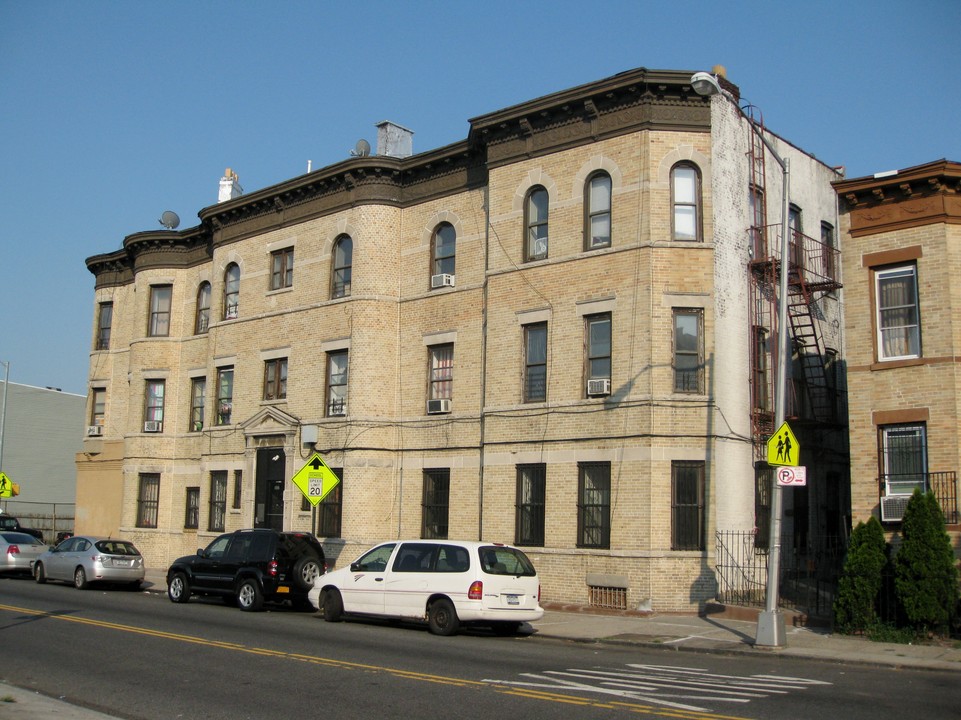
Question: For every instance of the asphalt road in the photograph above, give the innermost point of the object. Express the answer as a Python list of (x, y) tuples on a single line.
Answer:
[(136, 655)]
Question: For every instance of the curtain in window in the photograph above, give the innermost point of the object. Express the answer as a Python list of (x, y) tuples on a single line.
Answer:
[(441, 372), (898, 310)]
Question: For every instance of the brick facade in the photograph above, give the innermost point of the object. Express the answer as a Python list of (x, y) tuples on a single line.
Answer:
[(635, 127)]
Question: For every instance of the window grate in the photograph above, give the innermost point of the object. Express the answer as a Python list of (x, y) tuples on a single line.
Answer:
[(610, 598)]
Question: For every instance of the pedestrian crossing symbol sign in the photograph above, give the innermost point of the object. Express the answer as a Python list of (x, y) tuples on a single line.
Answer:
[(783, 448)]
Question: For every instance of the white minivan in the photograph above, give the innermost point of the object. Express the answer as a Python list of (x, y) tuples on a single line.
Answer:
[(445, 582)]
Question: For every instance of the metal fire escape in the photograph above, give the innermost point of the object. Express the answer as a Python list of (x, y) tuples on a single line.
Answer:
[(812, 270)]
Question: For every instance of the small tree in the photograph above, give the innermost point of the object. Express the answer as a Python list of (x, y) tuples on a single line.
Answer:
[(855, 607), (926, 579)]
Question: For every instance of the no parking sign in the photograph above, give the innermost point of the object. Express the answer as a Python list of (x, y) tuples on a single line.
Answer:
[(792, 476)]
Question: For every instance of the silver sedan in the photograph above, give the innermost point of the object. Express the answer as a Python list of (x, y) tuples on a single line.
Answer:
[(18, 551), (83, 559)]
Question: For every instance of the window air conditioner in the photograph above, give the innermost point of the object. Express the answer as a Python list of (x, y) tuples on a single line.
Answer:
[(438, 406), (442, 280), (893, 507), (599, 387), (94, 430), (153, 426)]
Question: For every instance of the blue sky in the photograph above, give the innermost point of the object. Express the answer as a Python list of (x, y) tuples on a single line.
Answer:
[(112, 112)]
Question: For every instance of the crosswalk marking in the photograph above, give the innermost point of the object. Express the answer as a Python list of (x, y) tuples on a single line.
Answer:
[(664, 685)]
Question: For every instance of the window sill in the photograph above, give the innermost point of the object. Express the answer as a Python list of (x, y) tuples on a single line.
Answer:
[(893, 364)]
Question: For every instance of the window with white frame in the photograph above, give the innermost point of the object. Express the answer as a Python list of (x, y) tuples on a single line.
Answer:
[(337, 368), (898, 314), (598, 346), (342, 266), (198, 391), (231, 291), (160, 296), (597, 211), (154, 403), (535, 224), (441, 380), (904, 457), (444, 243), (202, 320), (686, 202), (225, 395)]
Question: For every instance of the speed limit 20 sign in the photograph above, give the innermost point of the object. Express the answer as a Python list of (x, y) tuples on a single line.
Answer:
[(792, 476)]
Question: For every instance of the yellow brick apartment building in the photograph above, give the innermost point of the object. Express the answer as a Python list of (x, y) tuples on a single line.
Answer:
[(544, 335), (902, 230)]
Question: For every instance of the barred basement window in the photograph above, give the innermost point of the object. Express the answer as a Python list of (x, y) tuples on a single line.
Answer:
[(611, 598)]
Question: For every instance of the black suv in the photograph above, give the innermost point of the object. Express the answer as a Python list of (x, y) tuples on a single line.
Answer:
[(250, 567)]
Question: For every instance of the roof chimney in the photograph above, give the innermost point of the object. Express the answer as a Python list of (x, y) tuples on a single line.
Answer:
[(394, 140), (229, 186)]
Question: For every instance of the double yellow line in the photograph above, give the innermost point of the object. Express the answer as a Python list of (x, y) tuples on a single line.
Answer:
[(530, 694)]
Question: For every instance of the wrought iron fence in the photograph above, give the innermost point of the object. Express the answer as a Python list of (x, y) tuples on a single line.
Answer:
[(808, 576)]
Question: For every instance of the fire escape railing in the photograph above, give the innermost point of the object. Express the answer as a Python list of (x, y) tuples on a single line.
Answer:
[(813, 268)]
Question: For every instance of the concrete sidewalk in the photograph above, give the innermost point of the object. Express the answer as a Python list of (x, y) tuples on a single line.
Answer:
[(726, 631)]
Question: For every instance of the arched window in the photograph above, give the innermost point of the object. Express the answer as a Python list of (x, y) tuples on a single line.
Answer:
[(444, 246), (597, 211), (202, 321), (686, 201), (535, 224), (231, 291), (343, 255)]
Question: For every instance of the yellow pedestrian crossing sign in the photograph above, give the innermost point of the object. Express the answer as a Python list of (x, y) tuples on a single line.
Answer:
[(315, 480), (8, 488), (783, 448)]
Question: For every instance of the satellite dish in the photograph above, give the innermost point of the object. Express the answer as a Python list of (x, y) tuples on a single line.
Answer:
[(361, 149), (170, 220)]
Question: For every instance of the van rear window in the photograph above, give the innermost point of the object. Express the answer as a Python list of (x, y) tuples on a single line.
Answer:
[(505, 561)]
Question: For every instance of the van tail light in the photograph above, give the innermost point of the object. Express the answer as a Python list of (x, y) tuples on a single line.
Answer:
[(476, 591), (13, 550), (272, 567)]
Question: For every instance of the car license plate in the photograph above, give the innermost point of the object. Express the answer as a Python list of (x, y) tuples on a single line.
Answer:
[(513, 599), (283, 589)]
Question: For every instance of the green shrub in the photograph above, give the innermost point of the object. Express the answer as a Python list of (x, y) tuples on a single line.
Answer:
[(926, 579), (855, 606)]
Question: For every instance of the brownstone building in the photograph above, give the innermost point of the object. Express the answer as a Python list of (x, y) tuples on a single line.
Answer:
[(557, 333), (902, 253)]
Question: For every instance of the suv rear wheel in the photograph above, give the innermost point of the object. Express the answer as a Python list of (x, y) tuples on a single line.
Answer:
[(306, 569), (249, 596)]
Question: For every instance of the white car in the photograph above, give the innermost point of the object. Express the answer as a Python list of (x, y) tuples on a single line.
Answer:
[(445, 582)]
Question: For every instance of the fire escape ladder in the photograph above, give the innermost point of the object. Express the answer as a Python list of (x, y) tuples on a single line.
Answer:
[(807, 340)]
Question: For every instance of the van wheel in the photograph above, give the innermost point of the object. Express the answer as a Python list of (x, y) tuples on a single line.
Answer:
[(39, 574), (333, 606), (442, 617), (305, 571), (178, 590), (249, 597)]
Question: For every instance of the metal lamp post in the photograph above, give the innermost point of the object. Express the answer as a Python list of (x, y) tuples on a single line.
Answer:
[(770, 623)]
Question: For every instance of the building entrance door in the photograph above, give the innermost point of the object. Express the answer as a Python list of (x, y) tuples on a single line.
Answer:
[(269, 503)]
